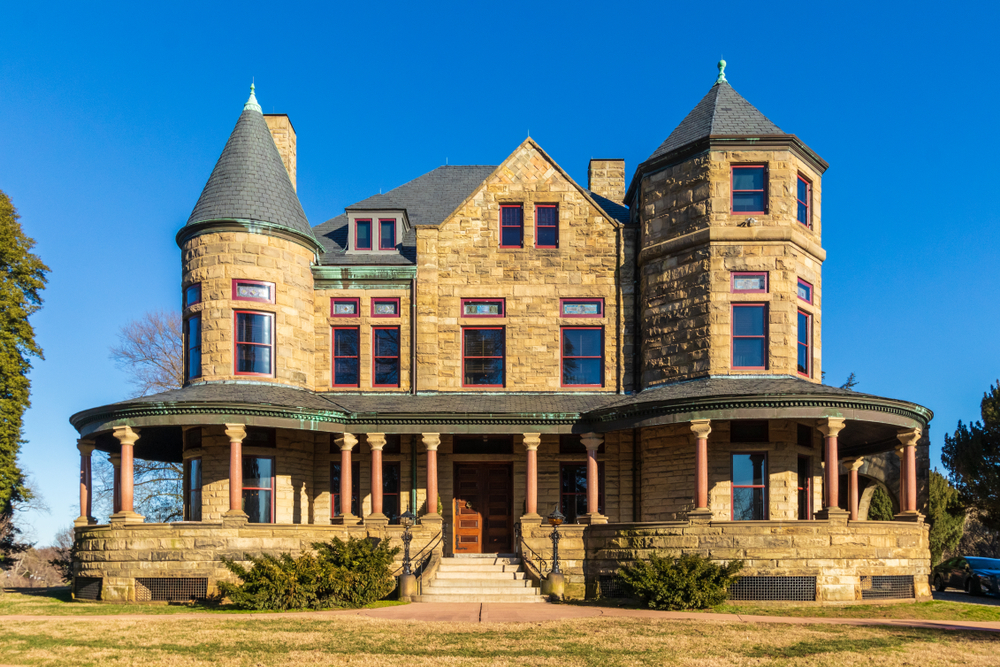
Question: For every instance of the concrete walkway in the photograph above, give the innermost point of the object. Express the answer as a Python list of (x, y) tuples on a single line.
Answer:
[(522, 613)]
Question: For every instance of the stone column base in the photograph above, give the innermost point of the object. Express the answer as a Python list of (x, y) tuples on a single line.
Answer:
[(833, 514), (533, 519), (592, 519), (345, 520), (126, 517), (83, 521), (376, 524), (700, 515), (913, 517), (234, 519)]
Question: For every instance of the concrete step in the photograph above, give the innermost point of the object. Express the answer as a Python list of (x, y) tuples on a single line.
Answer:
[(485, 568), (486, 556), (480, 583), (492, 576), (434, 589), (492, 598)]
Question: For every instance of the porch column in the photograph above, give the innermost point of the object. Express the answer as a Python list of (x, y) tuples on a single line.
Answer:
[(593, 442), (376, 441), (853, 499), (431, 442), (531, 442), (907, 452), (830, 428), (701, 428), (346, 443), (86, 517), (236, 433), (126, 437), (116, 495)]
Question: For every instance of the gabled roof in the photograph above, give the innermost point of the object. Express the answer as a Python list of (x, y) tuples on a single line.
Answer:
[(249, 181), (722, 111), (430, 198)]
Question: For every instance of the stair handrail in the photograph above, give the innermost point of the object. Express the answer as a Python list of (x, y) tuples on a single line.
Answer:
[(534, 564)]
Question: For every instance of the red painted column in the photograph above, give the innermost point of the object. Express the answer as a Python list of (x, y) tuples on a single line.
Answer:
[(116, 496), (593, 442), (346, 443), (86, 448), (376, 441), (531, 442), (236, 433), (126, 437), (852, 487), (431, 442), (830, 428), (907, 453), (701, 429)]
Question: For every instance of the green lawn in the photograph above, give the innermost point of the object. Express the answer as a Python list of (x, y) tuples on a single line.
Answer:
[(937, 611)]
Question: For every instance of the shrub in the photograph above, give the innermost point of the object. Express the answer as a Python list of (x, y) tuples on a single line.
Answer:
[(688, 582), (341, 574)]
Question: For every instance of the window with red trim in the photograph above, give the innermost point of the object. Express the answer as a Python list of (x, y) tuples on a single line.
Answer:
[(749, 475), (803, 197), (805, 291), (346, 357), (582, 356), (483, 353), (387, 234), (350, 307), (192, 294), (546, 226), (254, 343), (192, 333), (483, 308), (362, 234), (390, 491), (258, 488), (385, 307), (749, 188), (804, 365), (750, 335), (192, 490), (749, 282), (573, 490), (804, 487), (511, 226), (335, 508), (581, 307), (253, 290), (385, 356)]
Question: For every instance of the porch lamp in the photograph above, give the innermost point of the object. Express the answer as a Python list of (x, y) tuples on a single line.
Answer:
[(406, 520), (555, 520)]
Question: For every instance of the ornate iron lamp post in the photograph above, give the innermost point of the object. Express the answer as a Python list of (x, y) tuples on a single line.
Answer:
[(555, 520), (406, 520)]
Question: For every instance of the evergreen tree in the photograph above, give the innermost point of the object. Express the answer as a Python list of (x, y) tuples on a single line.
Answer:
[(946, 515), (22, 279), (880, 507), (972, 457)]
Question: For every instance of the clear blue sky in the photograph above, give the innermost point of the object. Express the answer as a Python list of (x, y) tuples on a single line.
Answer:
[(111, 119)]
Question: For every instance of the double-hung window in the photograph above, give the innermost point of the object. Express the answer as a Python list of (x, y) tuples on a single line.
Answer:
[(749, 487), (749, 188), (546, 226), (483, 354), (387, 234), (346, 357), (511, 226), (192, 326), (192, 490), (390, 491), (258, 488), (804, 365), (750, 336), (803, 197), (805, 291), (582, 356), (362, 234), (254, 343), (385, 356)]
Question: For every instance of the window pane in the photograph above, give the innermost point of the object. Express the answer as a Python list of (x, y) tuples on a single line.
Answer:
[(346, 371), (245, 291), (546, 216), (546, 236), (803, 328), (748, 352), (364, 231), (581, 371), (257, 505), (345, 343), (510, 236), (390, 508), (581, 342), (748, 504), (194, 347), (192, 295), (253, 359), (748, 469), (484, 342), (748, 201), (748, 321), (803, 214), (195, 474), (387, 371), (484, 371), (386, 343), (805, 292), (251, 328), (345, 307), (481, 308), (748, 178), (511, 216), (386, 308), (803, 191), (750, 283), (390, 479), (387, 234), (257, 471), (581, 308)]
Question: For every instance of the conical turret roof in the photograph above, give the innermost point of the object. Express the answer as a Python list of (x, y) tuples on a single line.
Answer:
[(722, 111), (249, 181)]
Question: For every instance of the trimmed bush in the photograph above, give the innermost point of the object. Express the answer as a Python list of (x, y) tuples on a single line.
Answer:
[(341, 574), (688, 582)]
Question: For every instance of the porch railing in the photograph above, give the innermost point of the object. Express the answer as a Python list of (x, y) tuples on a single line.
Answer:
[(536, 565)]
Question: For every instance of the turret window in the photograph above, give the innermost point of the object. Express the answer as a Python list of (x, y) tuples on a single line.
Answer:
[(750, 336), (749, 187), (362, 234), (192, 295), (803, 196), (511, 226), (253, 290), (386, 234), (805, 291), (805, 344), (254, 343), (192, 326), (749, 282)]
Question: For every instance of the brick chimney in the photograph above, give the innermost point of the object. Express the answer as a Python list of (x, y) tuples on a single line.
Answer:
[(284, 138), (607, 178)]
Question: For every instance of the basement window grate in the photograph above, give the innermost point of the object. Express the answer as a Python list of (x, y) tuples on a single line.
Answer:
[(886, 587), (87, 588), (170, 589), (611, 586), (799, 589)]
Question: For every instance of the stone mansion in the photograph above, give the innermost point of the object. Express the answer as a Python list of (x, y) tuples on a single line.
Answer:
[(484, 344)]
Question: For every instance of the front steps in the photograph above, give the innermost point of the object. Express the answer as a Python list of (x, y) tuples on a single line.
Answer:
[(480, 578)]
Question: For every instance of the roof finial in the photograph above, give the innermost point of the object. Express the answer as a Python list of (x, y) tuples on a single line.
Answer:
[(722, 72), (252, 102)]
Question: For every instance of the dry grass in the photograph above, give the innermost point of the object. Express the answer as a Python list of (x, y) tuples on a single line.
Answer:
[(217, 640)]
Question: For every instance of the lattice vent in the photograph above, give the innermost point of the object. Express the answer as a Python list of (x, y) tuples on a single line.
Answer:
[(87, 588), (170, 589), (611, 586), (886, 587), (799, 589)]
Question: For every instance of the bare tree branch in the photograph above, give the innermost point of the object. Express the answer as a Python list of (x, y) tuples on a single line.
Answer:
[(149, 350)]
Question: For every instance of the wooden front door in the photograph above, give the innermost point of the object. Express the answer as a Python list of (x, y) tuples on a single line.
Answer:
[(484, 502)]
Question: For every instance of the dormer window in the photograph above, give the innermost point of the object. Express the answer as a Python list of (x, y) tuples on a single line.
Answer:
[(386, 234), (749, 188), (362, 234)]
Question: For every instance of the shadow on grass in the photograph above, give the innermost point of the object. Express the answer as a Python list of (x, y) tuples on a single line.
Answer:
[(811, 647)]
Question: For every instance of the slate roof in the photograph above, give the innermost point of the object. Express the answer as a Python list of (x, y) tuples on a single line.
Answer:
[(250, 182), (722, 111)]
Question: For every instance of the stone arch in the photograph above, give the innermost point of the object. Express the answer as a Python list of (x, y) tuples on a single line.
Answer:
[(866, 496)]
